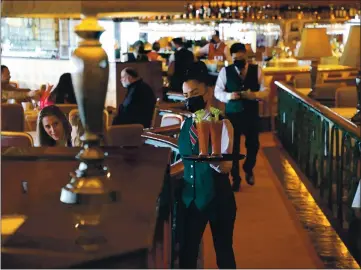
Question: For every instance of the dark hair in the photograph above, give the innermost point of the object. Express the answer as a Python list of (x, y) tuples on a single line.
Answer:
[(156, 46), (3, 67), (238, 47), (131, 72), (188, 44), (138, 43), (178, 41), (43, 138), (197, 71), (216, 33), (64, 91)]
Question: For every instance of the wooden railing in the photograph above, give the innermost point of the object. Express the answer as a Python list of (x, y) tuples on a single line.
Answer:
[(327, 148), (158, 140), (167, 130)]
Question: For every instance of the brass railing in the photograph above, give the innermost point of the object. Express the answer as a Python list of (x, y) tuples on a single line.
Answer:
[(327, 149)]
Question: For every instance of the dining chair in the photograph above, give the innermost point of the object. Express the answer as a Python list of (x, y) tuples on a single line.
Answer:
[(346, 97), (125, 135), (16, 139), (12, 117), (170, 119), (66, 108), (155, 113)]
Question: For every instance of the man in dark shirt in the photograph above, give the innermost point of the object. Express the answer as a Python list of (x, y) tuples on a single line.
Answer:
[(179, 63), (139, 102), (138, 55)]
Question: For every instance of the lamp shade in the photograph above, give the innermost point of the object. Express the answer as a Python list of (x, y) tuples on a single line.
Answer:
[(314, 44), (351, 54)]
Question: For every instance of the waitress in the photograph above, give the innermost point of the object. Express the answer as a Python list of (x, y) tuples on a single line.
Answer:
[(206, 193)]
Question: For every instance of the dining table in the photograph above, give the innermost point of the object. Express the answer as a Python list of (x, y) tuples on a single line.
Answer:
[(39, 231)]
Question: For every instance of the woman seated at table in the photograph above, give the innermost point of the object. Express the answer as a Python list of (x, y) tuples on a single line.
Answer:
[(63, 93), (53, 128)]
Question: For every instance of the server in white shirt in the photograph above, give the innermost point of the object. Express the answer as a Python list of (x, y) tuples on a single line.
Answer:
[(216, 49), (206, 194), (241, 86)]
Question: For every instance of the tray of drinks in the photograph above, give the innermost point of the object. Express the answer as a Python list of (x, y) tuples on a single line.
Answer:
[(212, 158)]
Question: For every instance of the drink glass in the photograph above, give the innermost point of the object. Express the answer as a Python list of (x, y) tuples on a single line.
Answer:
[(216, 137), (203, 129)]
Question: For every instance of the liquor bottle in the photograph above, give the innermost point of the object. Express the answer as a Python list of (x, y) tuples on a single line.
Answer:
[(209, 10), (223, 11), (201, 12)]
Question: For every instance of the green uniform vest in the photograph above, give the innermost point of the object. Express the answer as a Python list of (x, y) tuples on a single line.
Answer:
[(236, 84), (198, 176)]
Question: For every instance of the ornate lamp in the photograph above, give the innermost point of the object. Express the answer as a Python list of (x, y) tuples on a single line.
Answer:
[(314, 45), (90, 182), (351, 57)]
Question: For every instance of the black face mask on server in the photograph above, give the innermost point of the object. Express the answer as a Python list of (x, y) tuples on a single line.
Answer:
[(194, 104), (240, 64)]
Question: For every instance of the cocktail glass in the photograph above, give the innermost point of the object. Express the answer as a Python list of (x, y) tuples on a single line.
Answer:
[(216, 137), (203, 129)]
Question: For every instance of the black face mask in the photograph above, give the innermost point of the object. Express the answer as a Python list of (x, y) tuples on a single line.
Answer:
[(213, 41), (194, 104), (240, 64)]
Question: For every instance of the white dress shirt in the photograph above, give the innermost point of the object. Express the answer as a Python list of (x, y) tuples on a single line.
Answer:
[(226, 145), (223, 96), (205, 50)]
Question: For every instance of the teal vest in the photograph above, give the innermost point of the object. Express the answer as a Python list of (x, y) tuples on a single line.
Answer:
[(236, 84), (198, 176)]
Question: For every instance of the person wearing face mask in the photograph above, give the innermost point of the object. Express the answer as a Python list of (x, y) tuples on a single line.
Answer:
[(216, 49), (139, 102), (138, 55), (206, 193), (179, 62), (241, 86)]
